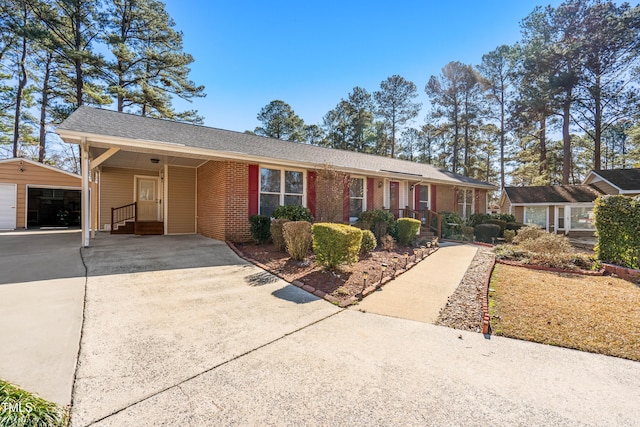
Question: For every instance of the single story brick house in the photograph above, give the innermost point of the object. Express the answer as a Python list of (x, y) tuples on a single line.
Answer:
[(34, 195), (564, 209), (181, 178)]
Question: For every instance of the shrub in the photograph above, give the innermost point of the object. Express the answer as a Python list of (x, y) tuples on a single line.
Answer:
[(477, 219), (408, 228), (509, 235), (297, 236), (486, 232), (617, 225), (515, 226), (451, 224), (260, 228), (467, 232), (501, 223), (336, 244), (388, 243), (547, 243), (508, 218), (379, 221), (293, 213), (528, 232), (369, 242), (277, 235)]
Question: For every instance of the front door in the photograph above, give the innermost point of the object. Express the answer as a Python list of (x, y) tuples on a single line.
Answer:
[(394, 198), (147, 198)]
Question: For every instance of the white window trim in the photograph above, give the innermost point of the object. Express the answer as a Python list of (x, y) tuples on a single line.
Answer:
[(534, 205), (473, 199), (282, 194), (353, 219), (567, 216), (428, 187)]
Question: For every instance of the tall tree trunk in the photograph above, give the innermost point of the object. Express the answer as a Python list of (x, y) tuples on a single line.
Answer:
[(22, 82), (456, 142), (77, 61), (501, 138), (43, 108), (542, 136), (597, 140), (566, 137)]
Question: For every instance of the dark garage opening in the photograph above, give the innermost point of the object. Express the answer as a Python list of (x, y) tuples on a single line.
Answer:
[(53, 207)]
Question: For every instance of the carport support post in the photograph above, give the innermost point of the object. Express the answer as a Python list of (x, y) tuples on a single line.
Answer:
[(86, 200)]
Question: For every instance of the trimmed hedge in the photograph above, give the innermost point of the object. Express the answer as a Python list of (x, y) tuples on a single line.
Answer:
[(369, 242), (379, 221), (260, 228), (277, 234), (293, 213), (297, 237), (408, 228), (336, 244), (618, 230), (501, 223), (486, 232)]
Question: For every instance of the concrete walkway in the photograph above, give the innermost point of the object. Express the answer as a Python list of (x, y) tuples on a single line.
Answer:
[(421, 292), (41, 297)]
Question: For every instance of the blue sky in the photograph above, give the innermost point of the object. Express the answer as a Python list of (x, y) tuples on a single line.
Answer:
[(311, 54)]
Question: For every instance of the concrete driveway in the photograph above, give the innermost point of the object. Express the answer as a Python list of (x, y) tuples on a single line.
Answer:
[(41, 296), (179, 331)]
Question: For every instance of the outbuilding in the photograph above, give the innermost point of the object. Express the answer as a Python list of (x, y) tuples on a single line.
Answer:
[(34, 195)]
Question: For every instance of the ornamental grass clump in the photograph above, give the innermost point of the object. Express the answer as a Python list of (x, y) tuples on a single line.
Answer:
[(335, 244), (528, 232), (20, 408), (297, 237)]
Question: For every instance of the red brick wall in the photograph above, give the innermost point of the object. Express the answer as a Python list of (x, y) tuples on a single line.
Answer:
[(211, 200), (238, 228)]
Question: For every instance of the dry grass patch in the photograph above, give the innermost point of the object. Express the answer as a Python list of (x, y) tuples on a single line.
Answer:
[(596, 314)]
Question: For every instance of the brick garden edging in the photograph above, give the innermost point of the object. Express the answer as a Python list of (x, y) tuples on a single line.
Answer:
[(318, 292), (628, 274), (600, 272), (486, 319)]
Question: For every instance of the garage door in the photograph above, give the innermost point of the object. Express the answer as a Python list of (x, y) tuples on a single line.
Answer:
[(7, 206)]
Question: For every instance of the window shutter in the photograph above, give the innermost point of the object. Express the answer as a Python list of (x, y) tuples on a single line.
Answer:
[(253, 189), (434, 192), (370, 185), (346, 204), (311, 192)]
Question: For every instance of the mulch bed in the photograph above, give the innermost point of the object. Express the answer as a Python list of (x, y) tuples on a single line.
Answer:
[(343, 284)]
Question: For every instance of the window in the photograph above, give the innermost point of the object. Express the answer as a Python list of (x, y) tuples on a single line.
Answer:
[(280, 187), (536, 215), (582, 218), (465, 202), (561, 218), (356, 197)]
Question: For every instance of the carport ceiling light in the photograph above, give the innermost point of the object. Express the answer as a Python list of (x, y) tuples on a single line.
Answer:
[(155, 161)]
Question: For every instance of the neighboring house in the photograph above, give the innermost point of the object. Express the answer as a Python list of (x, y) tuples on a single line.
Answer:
[(564, 209), (37, 195), (616, 181), (185, 178)]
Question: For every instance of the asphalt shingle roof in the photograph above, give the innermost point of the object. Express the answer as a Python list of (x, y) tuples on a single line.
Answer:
[(122, 125), (624, 179), (552, 194)]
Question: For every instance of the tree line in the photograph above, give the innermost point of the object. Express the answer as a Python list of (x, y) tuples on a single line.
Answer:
[(561, 101), (56, 55)]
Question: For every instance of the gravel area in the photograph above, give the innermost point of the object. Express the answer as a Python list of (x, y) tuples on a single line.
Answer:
[(464, 306)]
